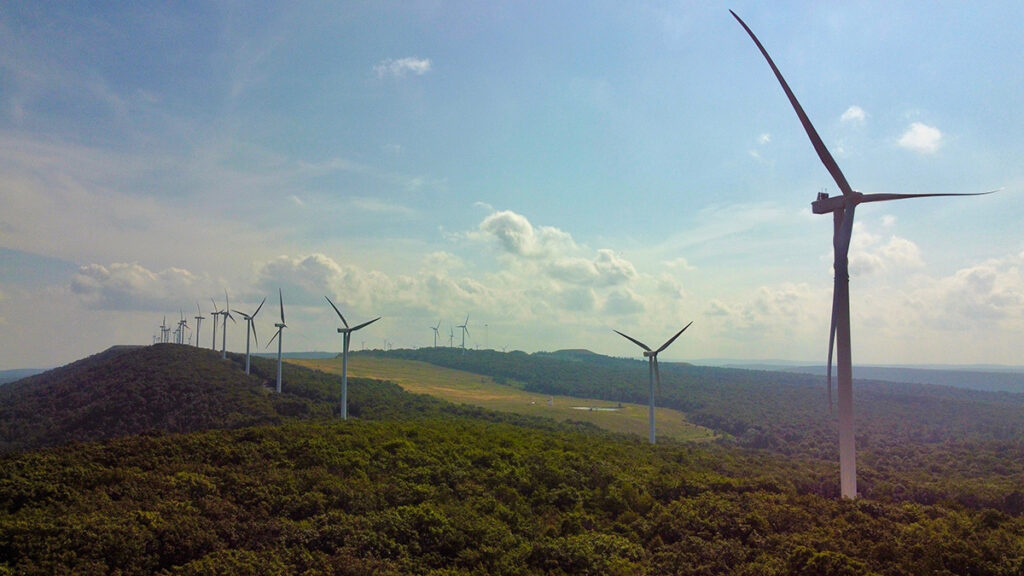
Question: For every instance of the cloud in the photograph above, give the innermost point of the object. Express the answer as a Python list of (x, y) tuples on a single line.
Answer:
[(853, 114), (401, 67), (871, 253), (517, 236), (921, 138), (130, 286), (765, 138)]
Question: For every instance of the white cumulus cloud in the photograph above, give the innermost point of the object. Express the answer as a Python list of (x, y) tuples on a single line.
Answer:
[(921, 138), (853, 114)]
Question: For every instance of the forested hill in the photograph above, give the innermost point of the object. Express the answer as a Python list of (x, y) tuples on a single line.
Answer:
[(948, 439), (175, 388)]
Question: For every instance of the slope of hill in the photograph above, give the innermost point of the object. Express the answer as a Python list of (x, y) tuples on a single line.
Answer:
[(903, 430), (454, 495)]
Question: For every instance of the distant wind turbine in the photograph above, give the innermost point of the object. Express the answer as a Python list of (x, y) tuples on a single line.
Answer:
[(182, 326), (199, 322), (250, 326), (213, 316), (164, 330), (465, 330), (652, 368), (347, 335), (842, 209), (280, 327), (226, 313), (435, 329), (451, 335)]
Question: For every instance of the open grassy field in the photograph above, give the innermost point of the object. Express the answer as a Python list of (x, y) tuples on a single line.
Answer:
[(466, 388)]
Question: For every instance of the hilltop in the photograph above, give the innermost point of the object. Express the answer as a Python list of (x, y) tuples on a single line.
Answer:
[(414, 485)]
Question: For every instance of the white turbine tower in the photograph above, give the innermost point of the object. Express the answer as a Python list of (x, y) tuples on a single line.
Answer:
[(842, 209), (213, 316), (654, 375), (199, 322), (347, 335), (465, 330), (250, 326), (280, 327), (435, 329), (226, 313)]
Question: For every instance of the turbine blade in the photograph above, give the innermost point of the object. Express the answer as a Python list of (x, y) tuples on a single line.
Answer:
[(227, 301), (338, 311), (831, 347), (276, 334), (254, 336), (216, 310), (883, 197), (841, 243), (633, 340), (198, 311), (365, 324), (819, 146), (673, 339), (258, 308), (280, 299)]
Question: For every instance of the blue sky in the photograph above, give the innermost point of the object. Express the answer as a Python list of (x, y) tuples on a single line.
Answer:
[(553, 170)]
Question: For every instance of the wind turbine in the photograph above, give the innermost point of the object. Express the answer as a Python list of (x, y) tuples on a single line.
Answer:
[(199, 322), (163, 330), (451, 335), (435, 329), (347, 335), (213, 315), (226, 313), (465, 330), (182, 326), (280, 327), (842, 208), (652, 369), (250, 326)]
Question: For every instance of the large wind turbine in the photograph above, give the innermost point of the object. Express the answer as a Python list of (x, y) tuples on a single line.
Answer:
[(465, 330), (652, 369), (226, 313), (347, 335), (842, 209), (199, 322), (250, 326), (280, 327), (435, 329)]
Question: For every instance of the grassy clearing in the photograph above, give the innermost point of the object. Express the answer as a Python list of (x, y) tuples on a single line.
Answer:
[(466, 388)]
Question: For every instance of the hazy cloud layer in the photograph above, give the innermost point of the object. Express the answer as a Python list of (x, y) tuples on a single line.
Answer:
[(129, 286)]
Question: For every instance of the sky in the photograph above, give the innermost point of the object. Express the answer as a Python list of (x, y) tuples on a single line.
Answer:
[(552, 170)]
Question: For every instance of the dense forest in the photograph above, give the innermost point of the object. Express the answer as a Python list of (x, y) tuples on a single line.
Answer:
[(916, 442), (415, 485)]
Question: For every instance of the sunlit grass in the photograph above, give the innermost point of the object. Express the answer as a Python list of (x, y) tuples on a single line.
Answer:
[(476, 390)]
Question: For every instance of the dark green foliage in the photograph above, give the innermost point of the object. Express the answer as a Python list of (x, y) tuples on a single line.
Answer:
[(414, 485), (915, 442), (453, 495)]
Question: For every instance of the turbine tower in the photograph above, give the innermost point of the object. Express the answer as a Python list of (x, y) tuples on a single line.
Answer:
[(842, 208), (213, 316), (451, 335), (280, 327), (435, 329), (199, 322), (465, 330), (347, 335), (226, 313), (250, 326), (163, 330), (182, 326), (652, 369)]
